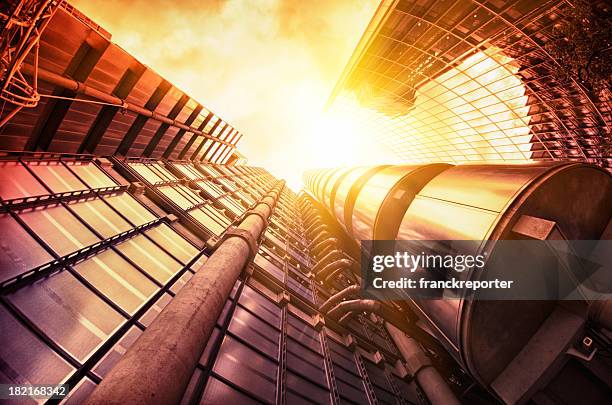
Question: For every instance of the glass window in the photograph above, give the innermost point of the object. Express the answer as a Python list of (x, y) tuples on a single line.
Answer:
[(270, 267), (25, 359), (59, 229), (17, 182), (146, 173), (131, 209), (303, 333), (208, 222), (302, 391), (162, 171), (350, 386), (92, 175), (56, 176), (19, 252), (150, 258), (189, 193), (255, 331), (342, 356), (257, 375), (265, 309), (112, 357), (118, 280), (148, 317), (305, 362), (216, 214), (217, 392), (69, 313), (173, 242), (210, 188), (176, 197), (101, 217), (186, 170)]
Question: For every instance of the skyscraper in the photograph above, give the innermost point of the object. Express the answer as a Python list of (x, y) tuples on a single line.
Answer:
[(473, 81), (143, 261)]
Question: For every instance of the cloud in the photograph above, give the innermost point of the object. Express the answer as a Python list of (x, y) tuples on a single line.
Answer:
[(266, 66)]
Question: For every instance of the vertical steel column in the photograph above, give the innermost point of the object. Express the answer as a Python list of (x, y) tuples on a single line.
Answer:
[(157, 368)]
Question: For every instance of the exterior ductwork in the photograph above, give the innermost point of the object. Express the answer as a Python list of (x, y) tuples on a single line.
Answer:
[(433, 384), (326, 271), (323, 245), (338, 297), (326, 260), (482, 203)]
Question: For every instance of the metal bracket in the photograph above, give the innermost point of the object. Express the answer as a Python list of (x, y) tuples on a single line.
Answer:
[(266, 203), (378, 358), (284, 298), (136, 188), (350, 342), (170, 218), (103, 162), (319, 322), (259, 214), (244, 235)]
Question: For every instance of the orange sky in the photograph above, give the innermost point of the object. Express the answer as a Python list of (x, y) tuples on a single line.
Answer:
[(265, 66)]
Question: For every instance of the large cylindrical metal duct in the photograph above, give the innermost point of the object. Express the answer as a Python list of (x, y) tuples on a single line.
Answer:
[(483, 203)]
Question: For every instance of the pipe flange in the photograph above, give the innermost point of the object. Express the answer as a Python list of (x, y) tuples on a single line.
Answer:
[(271, 206), (259, 214), (416, 362), (244, 235)]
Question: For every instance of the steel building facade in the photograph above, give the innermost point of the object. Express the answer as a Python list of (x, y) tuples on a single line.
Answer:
[(94, 249), (472, 81), (116, 188), (93, 97), (142, 260)]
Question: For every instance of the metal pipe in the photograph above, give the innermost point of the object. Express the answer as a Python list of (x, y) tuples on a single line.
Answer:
[(336, 298), (431, 382), (314, 223), (333, 266), (321, 246), (355, 306), (321, 236), (310, 215), (316, 229), (313, 220), (331, 276), (326, 250), (159, 365), (82, 88), (324, 261), (305, 204)]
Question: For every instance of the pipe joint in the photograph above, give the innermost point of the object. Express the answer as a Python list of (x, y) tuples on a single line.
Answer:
[(260, 214), (341, 264), (334, 254), (336, 298), (417, 361), (245, 235), (323, 244)]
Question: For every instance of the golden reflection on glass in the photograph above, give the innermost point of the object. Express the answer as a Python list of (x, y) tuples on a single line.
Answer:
[(477, 111)]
